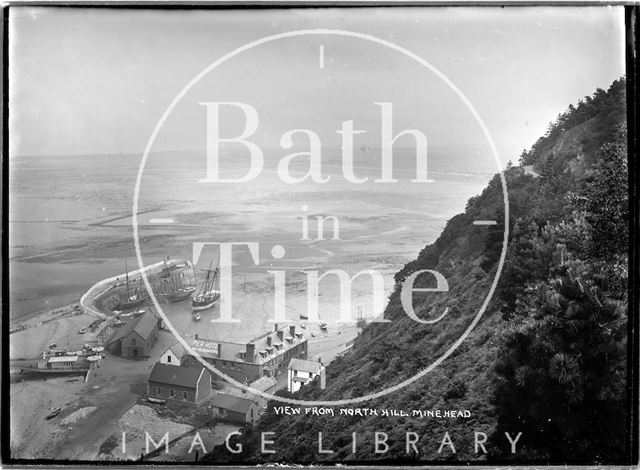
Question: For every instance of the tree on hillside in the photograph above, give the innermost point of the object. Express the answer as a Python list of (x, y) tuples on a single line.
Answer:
[(562, 362)]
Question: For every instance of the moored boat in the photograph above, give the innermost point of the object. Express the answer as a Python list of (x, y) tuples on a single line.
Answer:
[(175, 286), (180, 294), (133, 299), (207, 296)]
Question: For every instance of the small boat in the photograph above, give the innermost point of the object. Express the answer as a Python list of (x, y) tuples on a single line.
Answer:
[(196, 315), (158, 401), (53, 413), (304, 317), (323, 326), (82, 331)]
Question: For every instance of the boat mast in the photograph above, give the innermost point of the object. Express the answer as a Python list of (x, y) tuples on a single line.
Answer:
[(126, 274), (215, 274), (203, 288)]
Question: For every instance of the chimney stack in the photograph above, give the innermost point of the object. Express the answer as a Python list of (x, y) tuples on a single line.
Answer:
[(251, 351), (292, 330), (276, 327), (269, 341), (280, 334)]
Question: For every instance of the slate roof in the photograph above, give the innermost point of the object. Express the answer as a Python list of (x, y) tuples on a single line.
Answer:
[(169, 374), (230, 351), (144, 325), (227, 402), (305, 366), (178, 350)]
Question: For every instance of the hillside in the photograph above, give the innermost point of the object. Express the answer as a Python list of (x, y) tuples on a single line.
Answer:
[(547, 359)]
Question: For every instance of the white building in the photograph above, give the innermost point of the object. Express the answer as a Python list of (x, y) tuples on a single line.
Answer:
[(300, 372), (173, 355)]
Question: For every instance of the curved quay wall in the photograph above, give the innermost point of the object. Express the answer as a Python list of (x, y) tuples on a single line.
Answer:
[(87, 301)]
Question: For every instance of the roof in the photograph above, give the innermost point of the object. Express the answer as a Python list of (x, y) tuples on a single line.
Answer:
[(177, 349), (175, 375), (147, 323), (237, 404), (264, 383), (63, 358), (228, 351), (305, 366), (144, 325), (218, 349)]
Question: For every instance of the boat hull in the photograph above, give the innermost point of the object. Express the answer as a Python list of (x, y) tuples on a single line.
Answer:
[(179, 296), (55, 412), (198, 307), (131, 304)]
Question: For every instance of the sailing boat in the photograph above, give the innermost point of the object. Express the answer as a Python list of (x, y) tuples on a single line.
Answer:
[(207, 296), (175, 290), (133, 299)]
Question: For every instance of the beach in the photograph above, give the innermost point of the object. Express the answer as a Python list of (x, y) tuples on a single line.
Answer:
[(65, 238)]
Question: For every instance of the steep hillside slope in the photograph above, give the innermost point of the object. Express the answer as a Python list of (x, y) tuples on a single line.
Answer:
[(547, 358)]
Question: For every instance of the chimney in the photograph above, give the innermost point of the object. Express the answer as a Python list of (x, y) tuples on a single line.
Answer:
[(251, 351), (280, 334), (269, 341), (196, 335), (276, 327), (292, 331)]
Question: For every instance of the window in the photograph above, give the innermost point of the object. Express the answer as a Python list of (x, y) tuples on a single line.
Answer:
[(169, 359), (133, 341), (184, 395), (158, 391), (173, 393)]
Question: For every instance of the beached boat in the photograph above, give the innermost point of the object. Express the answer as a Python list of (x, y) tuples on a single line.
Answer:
[(133, 298), (53, 413), (158, 401), (195, 316), (304, 317), (323, 326), (207, 296), (180, 294), (176, 287)]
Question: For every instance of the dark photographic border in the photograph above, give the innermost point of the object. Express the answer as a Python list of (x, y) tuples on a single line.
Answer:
[(632, 23)]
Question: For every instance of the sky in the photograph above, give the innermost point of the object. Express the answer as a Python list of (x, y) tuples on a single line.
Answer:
[(97, 81)]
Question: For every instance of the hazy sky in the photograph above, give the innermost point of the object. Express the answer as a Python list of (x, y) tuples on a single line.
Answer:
[(90, 81)]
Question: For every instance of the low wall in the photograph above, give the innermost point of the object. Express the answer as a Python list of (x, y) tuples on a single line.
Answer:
[(87, 302)]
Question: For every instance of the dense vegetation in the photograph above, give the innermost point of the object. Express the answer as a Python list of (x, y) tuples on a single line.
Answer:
[(547, 359)]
